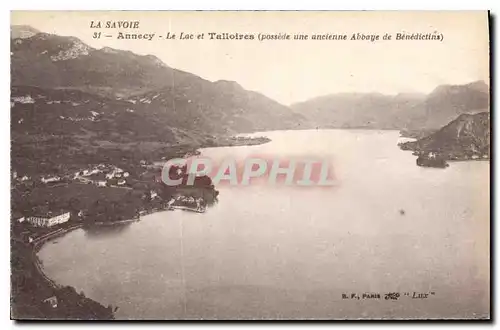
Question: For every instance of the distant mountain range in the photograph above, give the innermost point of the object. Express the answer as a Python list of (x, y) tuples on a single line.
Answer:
[(402, 111)]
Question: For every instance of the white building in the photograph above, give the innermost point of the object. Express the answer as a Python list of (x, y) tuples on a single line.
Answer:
[(52, 301), (48, 220), (94, 171), (51, 179)]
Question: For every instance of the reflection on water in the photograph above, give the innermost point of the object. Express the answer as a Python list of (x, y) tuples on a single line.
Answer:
[(107, 230), (285, 252)]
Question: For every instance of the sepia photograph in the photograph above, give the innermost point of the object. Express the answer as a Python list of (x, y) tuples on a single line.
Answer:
[(250, 165)]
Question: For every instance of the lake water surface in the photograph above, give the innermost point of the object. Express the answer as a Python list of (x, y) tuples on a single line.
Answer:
[(291, 252)]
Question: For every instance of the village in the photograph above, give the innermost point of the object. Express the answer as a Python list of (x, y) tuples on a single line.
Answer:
[(46, 206), (101, 175), (99, 194), (55, 210)]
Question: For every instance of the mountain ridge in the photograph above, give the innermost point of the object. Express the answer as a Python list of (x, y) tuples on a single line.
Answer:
[(60, 62), (404, 111)]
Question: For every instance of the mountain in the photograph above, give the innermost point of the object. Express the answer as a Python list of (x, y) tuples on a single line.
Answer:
[(221, 107), (402, 111), (66, 62), (72, 104), (447, 102), (466, 137), (357, 110), (184, 100)]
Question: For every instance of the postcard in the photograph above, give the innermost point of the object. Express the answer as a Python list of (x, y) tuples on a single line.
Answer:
[(250, 165)]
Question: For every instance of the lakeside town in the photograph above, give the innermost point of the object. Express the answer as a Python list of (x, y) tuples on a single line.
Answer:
[(48, 206), (45, 206)]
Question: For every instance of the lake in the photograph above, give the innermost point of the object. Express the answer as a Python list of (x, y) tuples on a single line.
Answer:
[(291, 252)]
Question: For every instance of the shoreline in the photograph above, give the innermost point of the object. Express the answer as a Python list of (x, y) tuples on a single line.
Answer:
[(32, 304), (37, 244), (111, 223)]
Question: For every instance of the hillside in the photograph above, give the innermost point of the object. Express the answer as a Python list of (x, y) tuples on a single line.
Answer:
[(466, 137), (219, 108), (66, 62), (402, 111), (72, 103), (59, 128), (22, 31)]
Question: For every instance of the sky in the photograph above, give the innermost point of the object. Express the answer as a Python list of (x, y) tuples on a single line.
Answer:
[(291, 71)]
